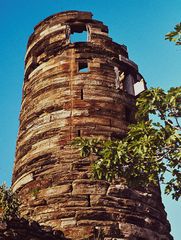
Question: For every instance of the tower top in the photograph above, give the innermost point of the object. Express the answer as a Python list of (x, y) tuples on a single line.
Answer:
[(66, 16)]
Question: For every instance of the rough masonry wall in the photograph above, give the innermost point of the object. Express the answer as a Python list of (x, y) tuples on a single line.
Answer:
[(76, 89), (21, 229)]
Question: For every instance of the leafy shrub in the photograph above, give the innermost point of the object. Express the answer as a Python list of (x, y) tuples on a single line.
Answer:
[(9, 203)]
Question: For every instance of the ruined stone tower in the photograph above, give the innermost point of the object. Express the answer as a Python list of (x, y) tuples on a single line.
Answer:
[(79, 88)]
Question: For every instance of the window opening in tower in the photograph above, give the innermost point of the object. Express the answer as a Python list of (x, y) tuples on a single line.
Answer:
[(78, 133), (78, 33), (83, 67), (129, 84), (81, 94)]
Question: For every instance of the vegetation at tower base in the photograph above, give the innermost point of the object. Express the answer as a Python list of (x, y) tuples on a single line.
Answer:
[(152, 148), (9, 203)]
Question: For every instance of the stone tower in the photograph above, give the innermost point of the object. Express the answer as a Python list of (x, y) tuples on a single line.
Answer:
[(79, 88)]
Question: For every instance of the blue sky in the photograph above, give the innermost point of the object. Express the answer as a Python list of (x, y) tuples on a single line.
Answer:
[(139, 24)]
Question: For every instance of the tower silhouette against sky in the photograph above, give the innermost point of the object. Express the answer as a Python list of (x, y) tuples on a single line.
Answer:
[(79, 83)]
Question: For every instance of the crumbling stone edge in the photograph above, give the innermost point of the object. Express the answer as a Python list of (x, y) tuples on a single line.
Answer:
[(20, 228)]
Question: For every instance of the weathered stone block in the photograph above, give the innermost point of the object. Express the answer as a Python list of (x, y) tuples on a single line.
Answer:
[(35, 202), (98, 215), (68, 222), (85, 186), (26, 178), (55, 191), (80, 233), (69, 200), (109, 201)]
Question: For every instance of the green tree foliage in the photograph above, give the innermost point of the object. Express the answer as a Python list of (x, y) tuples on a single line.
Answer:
[(175, 36), (9, 203), (151, 151)]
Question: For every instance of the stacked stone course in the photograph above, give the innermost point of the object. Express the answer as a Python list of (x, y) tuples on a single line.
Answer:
[(21, 229), (60, 102)]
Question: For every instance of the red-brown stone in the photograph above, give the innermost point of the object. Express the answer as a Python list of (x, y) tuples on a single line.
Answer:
[(60, 102)]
